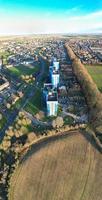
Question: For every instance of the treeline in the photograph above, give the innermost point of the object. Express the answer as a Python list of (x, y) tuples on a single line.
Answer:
[(90, 90)]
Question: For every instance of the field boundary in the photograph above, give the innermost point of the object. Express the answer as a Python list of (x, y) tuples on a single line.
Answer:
[(43, 141)]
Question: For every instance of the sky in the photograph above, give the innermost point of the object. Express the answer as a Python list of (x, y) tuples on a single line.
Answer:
[(19, 17)]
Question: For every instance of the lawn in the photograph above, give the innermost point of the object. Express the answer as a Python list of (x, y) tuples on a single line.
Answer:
[(2, 122), (26, 91), (96, 73), (62, 167), (23, 70), (68, 120), (35, 103), (5, 55)]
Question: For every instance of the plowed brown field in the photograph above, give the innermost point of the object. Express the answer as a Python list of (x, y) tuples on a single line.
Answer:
[(65, 168)]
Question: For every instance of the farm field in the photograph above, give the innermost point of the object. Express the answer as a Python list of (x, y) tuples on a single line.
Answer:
[(65, 167), (23, 70), (96, 73)]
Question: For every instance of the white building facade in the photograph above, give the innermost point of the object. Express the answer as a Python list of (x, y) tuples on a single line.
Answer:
[(55, 78), (52, 108), (56, 65)]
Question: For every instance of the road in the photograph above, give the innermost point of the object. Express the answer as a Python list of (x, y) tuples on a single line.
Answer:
[(36, 121), (37, 82), (14, 114)]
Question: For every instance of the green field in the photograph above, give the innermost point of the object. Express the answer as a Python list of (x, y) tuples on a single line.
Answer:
[(5, 55), (2, 122), (59, 168), (35, 103), (96, 73), (23, 70)]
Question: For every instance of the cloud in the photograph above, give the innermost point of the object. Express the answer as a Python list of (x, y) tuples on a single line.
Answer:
[(87, 22), (74, 10), (47, 24), (90, 16)]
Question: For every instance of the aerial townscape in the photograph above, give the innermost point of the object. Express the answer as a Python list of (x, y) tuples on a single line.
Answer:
[(50, 100)]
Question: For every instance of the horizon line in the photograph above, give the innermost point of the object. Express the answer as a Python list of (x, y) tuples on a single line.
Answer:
[(31, 34)]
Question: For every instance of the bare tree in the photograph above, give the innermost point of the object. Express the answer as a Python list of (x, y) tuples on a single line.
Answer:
[(58, 122)]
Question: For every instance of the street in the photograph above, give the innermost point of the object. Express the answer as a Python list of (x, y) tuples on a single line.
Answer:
[(14, 114)]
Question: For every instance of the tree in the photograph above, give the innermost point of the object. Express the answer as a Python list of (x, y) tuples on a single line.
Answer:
[(23, 130), (10, 133), (8, 105), (58, 122), (6, 144), (21, 114), (20, 94), (31, 136), (17, 134), (22, 76), (90, 90), (27, 77), (19, 122), (40, 115)]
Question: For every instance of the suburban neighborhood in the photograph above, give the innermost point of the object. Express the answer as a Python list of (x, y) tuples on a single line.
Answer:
[(40, 94)]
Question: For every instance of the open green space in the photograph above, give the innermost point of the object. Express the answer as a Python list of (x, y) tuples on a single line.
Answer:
[(2, 122), (26, 92), (23, 70), (5, 55), (96, 73), (35, 103), (68, 120), (62, 168)]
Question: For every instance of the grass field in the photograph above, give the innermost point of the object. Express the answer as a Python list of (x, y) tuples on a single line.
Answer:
[(5, 55), (23, 70), (35, 103), (2, 122), (63, 168), (96, 73)]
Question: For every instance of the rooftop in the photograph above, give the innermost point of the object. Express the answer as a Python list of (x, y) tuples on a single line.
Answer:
[(2, 80), (52, 93), (55, 72), (52, 96)]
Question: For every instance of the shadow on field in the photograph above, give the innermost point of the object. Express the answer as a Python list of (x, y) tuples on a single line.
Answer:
[(42, 143), (91, 140), (45, 141)]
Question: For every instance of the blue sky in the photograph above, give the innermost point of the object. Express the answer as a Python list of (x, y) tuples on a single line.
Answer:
[(50, 16)]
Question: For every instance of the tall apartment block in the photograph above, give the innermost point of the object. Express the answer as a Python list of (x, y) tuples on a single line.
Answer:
[(51, 99), (54, 73), (50, 89)]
